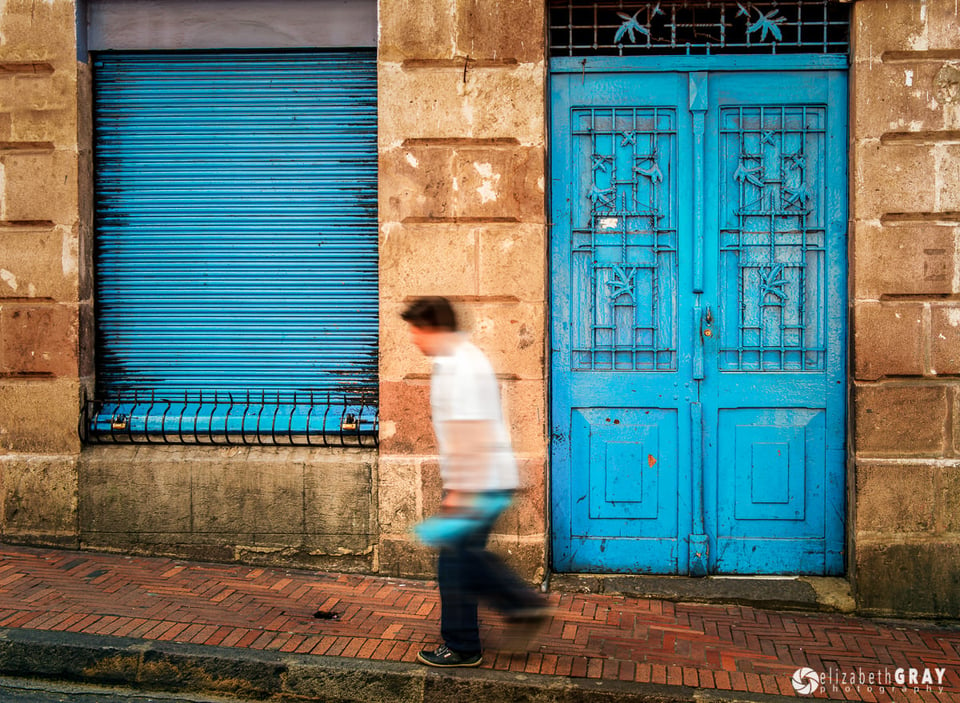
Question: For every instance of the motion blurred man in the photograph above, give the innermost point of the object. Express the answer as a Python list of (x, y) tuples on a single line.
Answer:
[(479, 475)]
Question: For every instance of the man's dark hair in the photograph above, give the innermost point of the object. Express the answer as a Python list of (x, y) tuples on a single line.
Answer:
[(433, 312)]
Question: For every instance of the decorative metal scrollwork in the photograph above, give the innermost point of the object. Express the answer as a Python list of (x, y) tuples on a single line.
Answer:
[(602, 198), (748, 174), (766, 22), (652, 171), (629, 26), (772, 284), (623, 283)]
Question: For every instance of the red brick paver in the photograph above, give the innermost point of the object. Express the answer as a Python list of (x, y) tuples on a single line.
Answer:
[(722, 647)]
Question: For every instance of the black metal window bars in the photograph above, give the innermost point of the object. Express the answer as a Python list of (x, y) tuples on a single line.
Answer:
[(678, 27), (305, 418)]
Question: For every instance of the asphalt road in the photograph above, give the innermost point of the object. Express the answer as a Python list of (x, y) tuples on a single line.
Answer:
[(36, 691)]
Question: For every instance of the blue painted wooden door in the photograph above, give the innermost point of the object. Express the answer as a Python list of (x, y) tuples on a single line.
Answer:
[(698, 268)]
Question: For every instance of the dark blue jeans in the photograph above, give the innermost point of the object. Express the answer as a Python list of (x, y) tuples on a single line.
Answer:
[(467, 573)]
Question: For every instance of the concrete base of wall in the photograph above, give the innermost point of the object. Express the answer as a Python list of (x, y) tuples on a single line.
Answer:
[(908, 580), (39, 498), (281, 506)]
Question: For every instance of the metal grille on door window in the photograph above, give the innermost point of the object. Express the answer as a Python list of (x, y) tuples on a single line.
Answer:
[(627, 241), (772, 238), (677, 27)]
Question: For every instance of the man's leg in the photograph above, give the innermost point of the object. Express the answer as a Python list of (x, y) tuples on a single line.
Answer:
[(502, 587), (495, 582), (459, 624), (458, 616)]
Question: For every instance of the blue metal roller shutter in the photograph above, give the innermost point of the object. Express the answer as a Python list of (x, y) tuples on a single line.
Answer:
[(236, 244)]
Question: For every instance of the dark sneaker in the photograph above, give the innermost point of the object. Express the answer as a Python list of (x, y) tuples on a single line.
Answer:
[(532, 614), (444, 656), (525, 627)]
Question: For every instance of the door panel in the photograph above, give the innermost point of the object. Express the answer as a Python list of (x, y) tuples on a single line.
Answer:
[(624, 479), (620, 379), (765, 460), (774, 385), (626, 488), (698, 267)]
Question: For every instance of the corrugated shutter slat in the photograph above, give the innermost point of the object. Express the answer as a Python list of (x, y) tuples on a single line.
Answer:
[(236, 222)]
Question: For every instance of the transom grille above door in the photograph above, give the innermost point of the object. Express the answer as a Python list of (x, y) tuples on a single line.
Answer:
[(677, 27)]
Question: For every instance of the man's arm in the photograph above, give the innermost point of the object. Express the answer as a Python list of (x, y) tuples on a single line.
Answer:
[(469, 445)]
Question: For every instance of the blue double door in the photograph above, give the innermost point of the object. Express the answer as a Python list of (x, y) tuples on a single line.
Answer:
[(698, 289)]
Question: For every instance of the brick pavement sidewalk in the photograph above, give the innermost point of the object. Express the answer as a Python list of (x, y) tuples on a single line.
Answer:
[(633, 641)]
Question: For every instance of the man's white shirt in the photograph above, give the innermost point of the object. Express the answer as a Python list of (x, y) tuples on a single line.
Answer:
[(474, 442)]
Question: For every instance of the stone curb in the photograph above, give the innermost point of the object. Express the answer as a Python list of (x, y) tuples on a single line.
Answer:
[(258, 675)]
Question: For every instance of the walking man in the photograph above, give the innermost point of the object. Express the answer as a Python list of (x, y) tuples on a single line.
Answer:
[(479, 475)]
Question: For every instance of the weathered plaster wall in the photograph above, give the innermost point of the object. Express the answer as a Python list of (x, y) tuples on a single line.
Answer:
[(462, 144), (905, 202), (44, 298)]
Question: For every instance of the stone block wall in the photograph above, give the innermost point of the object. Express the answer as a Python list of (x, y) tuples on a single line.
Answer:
[(905, 205), (279, 505), (462, 213), (44, 298)]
